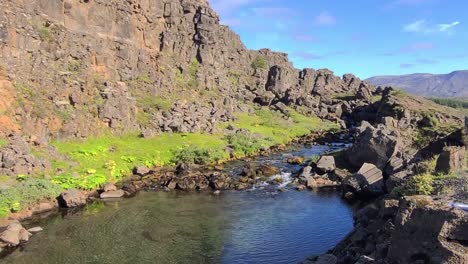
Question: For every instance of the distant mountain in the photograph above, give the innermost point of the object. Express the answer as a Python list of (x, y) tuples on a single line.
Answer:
[(454, 84)]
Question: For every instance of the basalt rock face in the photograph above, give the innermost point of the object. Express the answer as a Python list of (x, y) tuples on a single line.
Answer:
[(72, 68), (391, 231)]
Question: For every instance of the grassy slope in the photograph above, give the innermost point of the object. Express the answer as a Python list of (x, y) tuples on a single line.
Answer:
[(94, 161)]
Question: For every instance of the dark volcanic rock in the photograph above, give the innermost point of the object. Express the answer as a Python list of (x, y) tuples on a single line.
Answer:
[(368, 181), (452, 159), (374, 145)]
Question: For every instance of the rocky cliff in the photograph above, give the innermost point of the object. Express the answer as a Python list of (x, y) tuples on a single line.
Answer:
[(73, 68)]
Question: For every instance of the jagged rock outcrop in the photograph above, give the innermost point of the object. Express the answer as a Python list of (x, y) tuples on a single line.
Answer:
[(15, 158), (390, 231), (97, 64), (375, 145)]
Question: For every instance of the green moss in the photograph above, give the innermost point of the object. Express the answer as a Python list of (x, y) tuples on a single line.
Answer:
[(193, 71), (144, 78), (259, 63), (234, 78), (3, 142), (45, 34)]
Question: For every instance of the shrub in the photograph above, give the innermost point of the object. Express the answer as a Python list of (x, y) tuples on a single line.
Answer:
[(421, 184), (26, 193), (192, 155), (45, 34), (259, 63), (244, 143), (451, 102), (193, 71)]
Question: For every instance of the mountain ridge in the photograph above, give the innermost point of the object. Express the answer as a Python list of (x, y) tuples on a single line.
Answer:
[(453, 84)]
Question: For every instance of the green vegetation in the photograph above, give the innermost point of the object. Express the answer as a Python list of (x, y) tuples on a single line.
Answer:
[(26, 193), (399, 93), (143, 79), (276, 129), (259, 63), (3, 142), (149, 104), (245, 144), (45, 34), (197, 155), (458, 103), (74, 65), (344, 96), (193, 71), (108, 158), (430, 129)]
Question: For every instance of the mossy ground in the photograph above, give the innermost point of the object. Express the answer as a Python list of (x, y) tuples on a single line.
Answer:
[(92, 162)]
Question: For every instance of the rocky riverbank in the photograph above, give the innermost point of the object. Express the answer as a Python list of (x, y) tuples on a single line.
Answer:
[(398, 224)]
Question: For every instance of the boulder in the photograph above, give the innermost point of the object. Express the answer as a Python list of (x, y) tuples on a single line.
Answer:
[(326, 164), (368, 181), (112, 194), (249, 170), (72, 198), (109, 187), (397, 179), (311, 182), (301, 187), (141, 170), (364, 93), (452, 159), (374, 145), (305, 173), (14, 234)]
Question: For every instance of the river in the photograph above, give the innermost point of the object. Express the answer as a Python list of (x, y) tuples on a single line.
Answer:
[(262, 225)]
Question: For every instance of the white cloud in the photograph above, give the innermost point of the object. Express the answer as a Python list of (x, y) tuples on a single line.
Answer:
[(325, 19), (421, 26), (416, 26), (446, 27)]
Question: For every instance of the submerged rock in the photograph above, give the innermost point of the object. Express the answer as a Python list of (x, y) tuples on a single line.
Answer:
[(36, 229), (112, 194), (295, 160)]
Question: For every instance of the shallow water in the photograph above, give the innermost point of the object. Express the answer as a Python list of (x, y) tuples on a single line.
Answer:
[(257, 226)]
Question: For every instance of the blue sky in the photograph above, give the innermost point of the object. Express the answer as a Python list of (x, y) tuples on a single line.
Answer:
[(364, 37)]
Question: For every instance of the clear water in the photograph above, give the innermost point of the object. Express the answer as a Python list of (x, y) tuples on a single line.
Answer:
[(258, 226)]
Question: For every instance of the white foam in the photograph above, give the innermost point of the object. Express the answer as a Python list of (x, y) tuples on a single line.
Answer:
[(285, 179)]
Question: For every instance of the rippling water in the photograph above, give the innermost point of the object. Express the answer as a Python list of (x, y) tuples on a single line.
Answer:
[(259, 226)]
